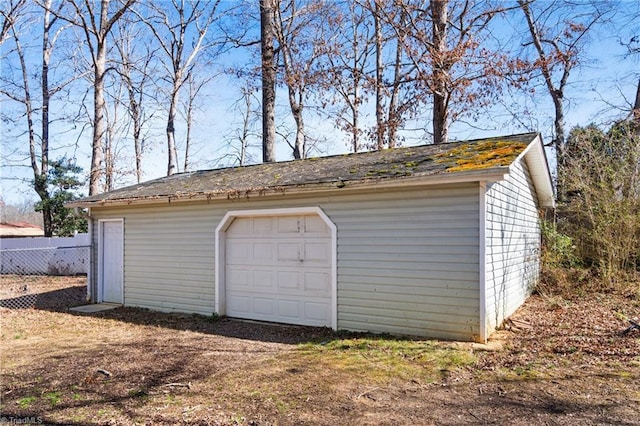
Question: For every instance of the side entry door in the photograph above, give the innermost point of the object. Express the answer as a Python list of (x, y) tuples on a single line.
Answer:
[(111, 265)]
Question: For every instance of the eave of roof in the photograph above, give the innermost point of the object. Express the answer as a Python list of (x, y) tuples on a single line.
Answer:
[(536, 159), (479, 160)]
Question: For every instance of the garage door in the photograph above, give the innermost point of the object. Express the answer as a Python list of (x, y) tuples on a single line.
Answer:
[(278, 268)]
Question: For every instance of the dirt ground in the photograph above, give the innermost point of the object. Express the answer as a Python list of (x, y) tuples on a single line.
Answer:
[(556, 362)]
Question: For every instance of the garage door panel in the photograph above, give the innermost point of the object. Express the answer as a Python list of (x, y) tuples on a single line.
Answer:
[(239, 304), (318, 253), (317, 282), (315, 224), (317, 311), (289, 252), (263, 251), (288, 225), (238, 278), (238, 253), (289, 309), (279, 269), (262, 225), (264, 306), (288, 282), (241, 227), (263, 280)]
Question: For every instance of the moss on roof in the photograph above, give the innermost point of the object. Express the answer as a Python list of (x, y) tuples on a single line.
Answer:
[(337, 171), (480, 155)]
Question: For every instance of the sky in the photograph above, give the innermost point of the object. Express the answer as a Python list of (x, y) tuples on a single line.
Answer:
[(599, 91)]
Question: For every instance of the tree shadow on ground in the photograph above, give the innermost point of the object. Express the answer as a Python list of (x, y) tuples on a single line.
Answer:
[(56, 300), (227, 327), (60, 300)]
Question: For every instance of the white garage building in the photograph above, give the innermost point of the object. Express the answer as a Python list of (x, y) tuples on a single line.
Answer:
[(438, 240)]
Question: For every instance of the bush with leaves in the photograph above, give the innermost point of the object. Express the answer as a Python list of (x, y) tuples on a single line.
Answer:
[(62, 181), (601, 209)]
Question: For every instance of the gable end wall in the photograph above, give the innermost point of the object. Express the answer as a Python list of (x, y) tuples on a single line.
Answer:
[(512, 248)]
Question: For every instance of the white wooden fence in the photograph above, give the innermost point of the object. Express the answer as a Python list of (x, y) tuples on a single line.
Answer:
[(45, 256)]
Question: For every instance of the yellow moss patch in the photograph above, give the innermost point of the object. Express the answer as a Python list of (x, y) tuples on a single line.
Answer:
[(480, 155)]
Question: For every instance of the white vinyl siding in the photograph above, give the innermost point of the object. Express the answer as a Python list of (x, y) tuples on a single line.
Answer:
[(169, 252), (512, 244), (408, 260)]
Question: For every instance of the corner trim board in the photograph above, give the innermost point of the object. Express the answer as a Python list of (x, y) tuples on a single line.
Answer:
[(482, 270)]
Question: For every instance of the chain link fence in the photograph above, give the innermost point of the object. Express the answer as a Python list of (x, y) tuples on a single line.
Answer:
[(44, 278)]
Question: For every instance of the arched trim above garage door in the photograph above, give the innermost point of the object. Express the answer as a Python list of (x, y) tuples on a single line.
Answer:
[(220, 248)]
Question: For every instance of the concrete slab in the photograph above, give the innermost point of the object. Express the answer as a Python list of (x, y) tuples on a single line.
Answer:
[(96, 307)]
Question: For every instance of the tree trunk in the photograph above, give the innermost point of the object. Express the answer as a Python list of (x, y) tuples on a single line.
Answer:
[(246, 123), (41, 178), (355, 101), (380, 119), (172, 157), (189, 123), (636, 105), (393, 113), (355, 122), (98, 120), (559, 140), (137, 130), (136, 120), (267, 35), (46, 96), (108, 159), (439, 12), (296, 111)]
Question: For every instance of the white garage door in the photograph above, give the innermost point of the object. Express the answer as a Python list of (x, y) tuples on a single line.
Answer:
[(278, 268)]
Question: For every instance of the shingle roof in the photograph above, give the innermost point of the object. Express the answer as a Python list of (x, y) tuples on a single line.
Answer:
[(336, 171), (20, 229)]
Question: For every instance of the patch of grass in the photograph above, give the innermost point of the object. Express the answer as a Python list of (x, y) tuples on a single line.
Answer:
[(138, 392), (214, 317), (381, 359), (527, 372), (54, 398), (26, 402)]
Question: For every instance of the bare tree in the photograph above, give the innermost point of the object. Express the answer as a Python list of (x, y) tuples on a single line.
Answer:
[(269, 74), (194, 84), (117, 120), (441, 69), (181, 28), (380, 119), (136, 70), (348, 60), (111, 135), (444, 41), (300, 35), (96, 21), (557, 49), (393, 82), (239, 140), (39, 144), (558, 32), (9, 12)]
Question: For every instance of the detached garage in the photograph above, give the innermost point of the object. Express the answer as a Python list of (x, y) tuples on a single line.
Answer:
[(438, 240)]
